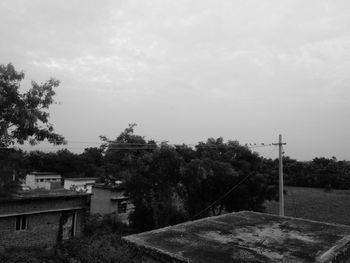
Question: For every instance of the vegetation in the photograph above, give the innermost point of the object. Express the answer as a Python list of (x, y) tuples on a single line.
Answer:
[(23, 117), (101, 244), (315, 204), (320, 172), (171, 184)]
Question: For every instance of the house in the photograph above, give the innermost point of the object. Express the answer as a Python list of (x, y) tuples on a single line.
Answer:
[(243, 237), (111, 199), (45, 180), (42, 218), (83, 184)]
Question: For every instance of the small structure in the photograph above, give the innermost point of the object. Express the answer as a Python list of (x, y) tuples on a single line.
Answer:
[(244, 237), (111, 199), (41, 218), (82, 184), (44, 180)]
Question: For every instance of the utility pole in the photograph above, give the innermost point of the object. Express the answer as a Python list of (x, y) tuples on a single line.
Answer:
[(280, 166)]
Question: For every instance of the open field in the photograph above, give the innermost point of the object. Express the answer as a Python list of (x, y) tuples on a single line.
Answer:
[(315, 204)]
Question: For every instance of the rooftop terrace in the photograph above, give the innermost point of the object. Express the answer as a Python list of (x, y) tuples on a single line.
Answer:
[(244, 237)]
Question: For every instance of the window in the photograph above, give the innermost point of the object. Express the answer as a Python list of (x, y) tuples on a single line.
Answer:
[(122, 207), (21, 222)]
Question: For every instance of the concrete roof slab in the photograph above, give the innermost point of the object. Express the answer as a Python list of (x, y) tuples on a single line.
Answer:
[(246, 237)]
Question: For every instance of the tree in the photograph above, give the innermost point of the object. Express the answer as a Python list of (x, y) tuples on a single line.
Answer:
[(218, 168), (11, 167), (91, 162), (151, 174), (169, 184), (123, 155), (25, 117)]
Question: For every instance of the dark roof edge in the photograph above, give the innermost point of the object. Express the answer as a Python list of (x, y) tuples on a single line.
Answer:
[(81, 178), (108, 187), (24, 198)]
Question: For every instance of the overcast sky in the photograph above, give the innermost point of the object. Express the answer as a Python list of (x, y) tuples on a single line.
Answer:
[(184, 71)]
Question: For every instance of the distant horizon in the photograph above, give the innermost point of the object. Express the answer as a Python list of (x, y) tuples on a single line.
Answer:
[(267, 151)]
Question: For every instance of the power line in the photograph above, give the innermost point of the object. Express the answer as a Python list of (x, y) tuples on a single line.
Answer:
[(123, 146), (269, 154), (254, 145), (199, 144), (222, 197)]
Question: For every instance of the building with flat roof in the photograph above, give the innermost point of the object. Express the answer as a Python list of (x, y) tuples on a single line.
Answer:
[(243, 237), (44, 180), (42, 218), (82, 184), (111, 199)]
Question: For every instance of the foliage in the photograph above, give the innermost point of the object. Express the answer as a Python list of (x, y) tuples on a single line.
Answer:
[(11, 168), (170, 184), (25, 116), (156, 189), (105, 248), (97, 224), (151, 176), (28, 255), (320, 172), (66, 163), (218, 168), (123, 156), (101, 244)]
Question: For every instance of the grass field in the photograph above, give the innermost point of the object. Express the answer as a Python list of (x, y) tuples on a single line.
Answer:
[(315, 204)]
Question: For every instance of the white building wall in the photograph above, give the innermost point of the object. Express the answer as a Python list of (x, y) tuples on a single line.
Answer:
[(33, 181), (79, 185), (30, 181)]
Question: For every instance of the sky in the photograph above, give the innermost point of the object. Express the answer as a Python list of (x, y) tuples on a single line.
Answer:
[(187, 70)]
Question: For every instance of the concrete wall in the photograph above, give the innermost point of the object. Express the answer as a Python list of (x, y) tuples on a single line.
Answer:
[(30, 181), (43, 228), (102, 203), (34, 181)]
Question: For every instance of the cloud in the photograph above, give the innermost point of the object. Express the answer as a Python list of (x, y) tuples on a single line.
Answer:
[(221, 58)]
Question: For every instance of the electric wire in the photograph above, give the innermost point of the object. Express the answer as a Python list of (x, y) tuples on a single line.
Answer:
[(222, 197), (125, 146)]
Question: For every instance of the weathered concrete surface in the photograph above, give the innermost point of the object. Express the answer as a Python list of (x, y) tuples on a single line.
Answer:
[(244, 237)]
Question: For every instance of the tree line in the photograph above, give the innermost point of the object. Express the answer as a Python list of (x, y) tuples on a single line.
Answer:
[(167, 184), (174, 183)]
